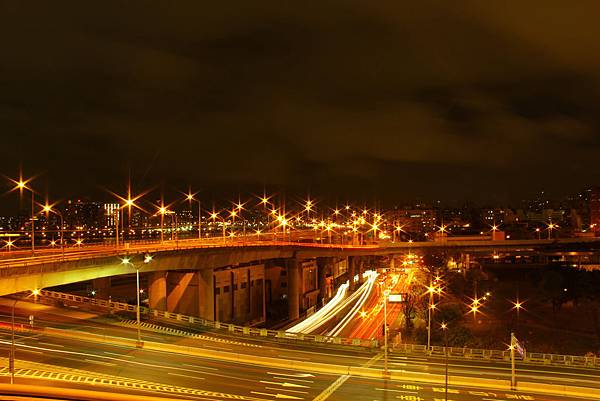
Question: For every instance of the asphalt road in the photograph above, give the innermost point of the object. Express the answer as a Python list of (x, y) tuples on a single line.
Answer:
[(214, 379)]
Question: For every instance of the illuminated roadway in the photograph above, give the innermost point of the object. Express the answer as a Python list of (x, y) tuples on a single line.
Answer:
[(37, 351)]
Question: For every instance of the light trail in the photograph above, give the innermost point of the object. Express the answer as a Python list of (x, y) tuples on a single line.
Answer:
[(364, 293), (336, 305), (323, 315)]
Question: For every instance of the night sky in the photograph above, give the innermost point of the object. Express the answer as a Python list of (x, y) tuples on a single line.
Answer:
[(489, 101)]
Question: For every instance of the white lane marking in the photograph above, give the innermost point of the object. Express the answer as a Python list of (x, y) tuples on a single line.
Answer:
[(33, 352), (396, 391), (278, 395), (285, 384), (188, 376), (50, 344), (283, 389), (199, 366), (101, 362), (116, 354), (292, 379), (292, 374)]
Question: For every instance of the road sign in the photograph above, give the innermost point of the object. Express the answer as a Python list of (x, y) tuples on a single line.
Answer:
[(396, 297)]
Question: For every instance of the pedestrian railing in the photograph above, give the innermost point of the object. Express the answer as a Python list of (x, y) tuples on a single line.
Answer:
[(486, 354), (204, 323)]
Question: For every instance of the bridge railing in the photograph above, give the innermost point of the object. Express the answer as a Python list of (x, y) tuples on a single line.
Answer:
[(194, 320), (499, 355), (102, 251)]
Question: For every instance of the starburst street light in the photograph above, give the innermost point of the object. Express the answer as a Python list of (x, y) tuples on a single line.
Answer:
[(47, 208), (21, 185), (191, 197), (126, 260)]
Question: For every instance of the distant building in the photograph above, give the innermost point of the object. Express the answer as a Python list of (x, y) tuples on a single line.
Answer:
[(83, 215), (413, 220), (110, 211)]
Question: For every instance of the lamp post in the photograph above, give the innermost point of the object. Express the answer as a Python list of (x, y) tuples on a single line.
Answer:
[(11, 361), (190, 198), (444, 327), (126, 261), (48, 209), (386, 294), (21, 185), (214, 216), (551, 227), (430, 291), (174, 227), (162, 210)]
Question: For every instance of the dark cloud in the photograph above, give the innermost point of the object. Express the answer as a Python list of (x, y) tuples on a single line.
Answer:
[(373, 100)]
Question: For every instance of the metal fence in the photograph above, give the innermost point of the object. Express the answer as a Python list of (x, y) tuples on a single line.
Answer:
[(498, 355)]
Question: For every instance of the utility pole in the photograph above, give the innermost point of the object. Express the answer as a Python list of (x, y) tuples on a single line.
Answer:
[(513, 379)]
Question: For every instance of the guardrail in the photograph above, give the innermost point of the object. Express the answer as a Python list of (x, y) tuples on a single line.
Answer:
[(193, 320), (499, 355)]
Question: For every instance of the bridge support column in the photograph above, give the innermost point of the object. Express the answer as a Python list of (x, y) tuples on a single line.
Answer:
[(351, 272), (101, 286), (360, 267), (157, 290), (293, 273), (183, 293), (206, 287), (324, 265)]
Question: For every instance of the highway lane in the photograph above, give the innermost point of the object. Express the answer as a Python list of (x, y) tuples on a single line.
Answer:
[(358, 389), (170, 369), (240, 380), (420, 364)]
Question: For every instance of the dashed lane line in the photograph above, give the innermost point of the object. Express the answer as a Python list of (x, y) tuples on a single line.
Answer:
[(176, 332)]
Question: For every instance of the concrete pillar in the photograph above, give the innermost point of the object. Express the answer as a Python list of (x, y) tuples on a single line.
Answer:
[(293, 273), (157, 290), (360, 268), (324, 266), (351, 272), (183, 293), (206, 289), (101, 286)]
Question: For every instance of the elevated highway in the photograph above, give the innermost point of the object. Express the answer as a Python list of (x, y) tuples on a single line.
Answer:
[(196, 288)]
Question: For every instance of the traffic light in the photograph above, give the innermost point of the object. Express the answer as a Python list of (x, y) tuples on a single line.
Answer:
[(31, 320)]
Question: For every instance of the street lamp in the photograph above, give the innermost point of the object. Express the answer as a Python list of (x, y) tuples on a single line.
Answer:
[(11, 361), (430, 290), (444, 327), (190, 198), (48, 209), (551, 227), (127, 262), (21, 185), (162, 210), (386, 294), (214, 216)]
